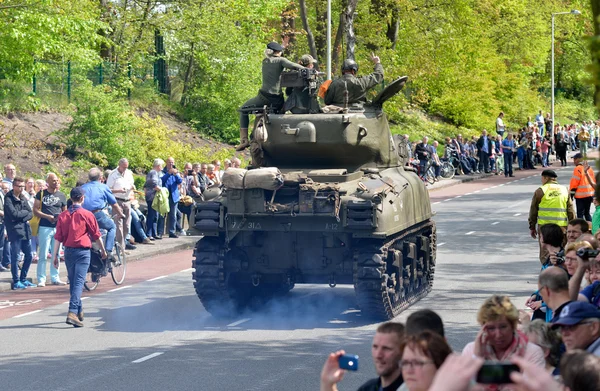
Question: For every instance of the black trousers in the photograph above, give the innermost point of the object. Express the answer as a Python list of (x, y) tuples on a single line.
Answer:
[(583, 208), (484, 161)]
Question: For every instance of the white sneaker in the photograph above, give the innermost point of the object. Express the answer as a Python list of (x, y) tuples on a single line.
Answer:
[(41, 283), (58, 282)]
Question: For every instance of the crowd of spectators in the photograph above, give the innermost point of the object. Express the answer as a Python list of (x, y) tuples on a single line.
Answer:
[(29, 210), (526, 148)]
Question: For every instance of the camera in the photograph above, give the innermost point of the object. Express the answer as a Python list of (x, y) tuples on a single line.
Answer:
[(587, 253), (190, 172), (493, 372), (560, 257), (348, 362)]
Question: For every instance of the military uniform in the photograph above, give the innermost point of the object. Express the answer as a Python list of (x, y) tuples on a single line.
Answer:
[(299, 100), (357, 87)]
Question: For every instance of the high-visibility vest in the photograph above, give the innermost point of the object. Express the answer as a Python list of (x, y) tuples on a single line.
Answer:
[(579, 182), (553, 207)]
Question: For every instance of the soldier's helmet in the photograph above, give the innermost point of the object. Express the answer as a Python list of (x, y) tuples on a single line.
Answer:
[(349, 65)]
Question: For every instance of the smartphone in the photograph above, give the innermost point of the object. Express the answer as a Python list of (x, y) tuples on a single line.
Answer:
[(190, 172), (348, 362), (495, 372)]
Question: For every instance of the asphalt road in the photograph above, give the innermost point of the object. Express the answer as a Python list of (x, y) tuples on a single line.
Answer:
[(154, 334)]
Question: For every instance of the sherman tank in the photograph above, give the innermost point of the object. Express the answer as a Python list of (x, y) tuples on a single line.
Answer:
[(346, 210)]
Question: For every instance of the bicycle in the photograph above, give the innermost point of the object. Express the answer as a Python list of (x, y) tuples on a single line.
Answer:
[(117, 267), (428, 173)]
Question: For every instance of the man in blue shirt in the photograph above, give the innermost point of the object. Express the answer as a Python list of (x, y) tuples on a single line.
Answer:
[(97, 198), (171, 180), (508, 146)]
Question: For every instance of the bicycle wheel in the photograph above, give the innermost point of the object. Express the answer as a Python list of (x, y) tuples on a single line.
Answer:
[(430, 175), (447, 170), (118, 265), (91, 281)]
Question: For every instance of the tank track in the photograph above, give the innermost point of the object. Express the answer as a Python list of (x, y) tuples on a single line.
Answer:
[(374, 287), (209, 277)]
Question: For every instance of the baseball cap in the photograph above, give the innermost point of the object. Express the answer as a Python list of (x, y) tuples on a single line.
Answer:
[(549, 174), (306, 60), (275, 46), (577, 156), (77, 193), (575, 312)]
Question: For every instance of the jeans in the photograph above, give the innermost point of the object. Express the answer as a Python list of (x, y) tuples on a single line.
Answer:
[(46, 239), (105, 222), (172, 222), (521, 156), (160, 225), (484, 161), (16, 246), (544, 159), (136, 226), (77, 261), (151, 219), (583, 208), (508, 163)]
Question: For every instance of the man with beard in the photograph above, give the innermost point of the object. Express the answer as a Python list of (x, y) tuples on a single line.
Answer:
[(386, 355)]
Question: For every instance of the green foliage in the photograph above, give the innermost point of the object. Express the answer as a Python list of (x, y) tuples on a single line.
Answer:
[(417, 124), (14, 97)]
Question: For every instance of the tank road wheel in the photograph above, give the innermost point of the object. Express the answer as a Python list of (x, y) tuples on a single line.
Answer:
[(210, 280), (390, 277)]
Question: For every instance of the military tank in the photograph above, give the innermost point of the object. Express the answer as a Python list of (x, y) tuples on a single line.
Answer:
[(347, 211)]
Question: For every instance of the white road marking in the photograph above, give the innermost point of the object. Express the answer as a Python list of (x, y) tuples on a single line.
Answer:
[(157, 278), (27, 313), (458, 196), (487, 188), (501, 185), (476, 191), (435, 203), (187, 270), (470, 233), (85, 298), (120, 289), (148, 357), (441, 244), (66, 302), (495, 223), (517, 214), (446, 200), (468, 193), (493, 187), (239, 322)]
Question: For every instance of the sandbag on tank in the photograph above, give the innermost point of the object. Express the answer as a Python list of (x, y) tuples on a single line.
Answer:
[(261, 178)]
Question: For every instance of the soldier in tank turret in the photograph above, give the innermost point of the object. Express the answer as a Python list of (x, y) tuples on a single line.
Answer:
[(270, 92), (299, 98), (357, 87)]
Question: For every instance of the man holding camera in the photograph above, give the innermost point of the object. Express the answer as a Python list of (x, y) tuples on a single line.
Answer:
[(551, 204), (48, 204), (120, 181)]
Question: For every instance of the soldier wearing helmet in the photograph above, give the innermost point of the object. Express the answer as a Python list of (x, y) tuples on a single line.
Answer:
[(270, 93), (357, 86)]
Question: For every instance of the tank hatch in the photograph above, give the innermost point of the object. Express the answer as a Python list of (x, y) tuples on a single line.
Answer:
[(388, 92), (334, 175)]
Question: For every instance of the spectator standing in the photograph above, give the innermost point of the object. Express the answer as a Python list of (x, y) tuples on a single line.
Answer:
[(498, 339), (579, 325), (237, 163), (582, 186), (212, 176), (500, 124), (576, 228), (562, 145), (17, 214), (580, 371), (539, 120), (10, 172), (76, 228), (171, 181), (423, 153), (541, 334), (97, 198), (48, 205), (121, 184), (386, 351), (584, 138), (3, 265), (152, 185), (508, 146), (437, 164), (553, 287), (545, 147), (550, 205), (484, 146), (4, 187), (422, 356)]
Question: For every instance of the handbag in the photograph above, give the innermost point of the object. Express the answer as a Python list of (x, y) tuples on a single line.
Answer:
[(34, 223), (186, 200)]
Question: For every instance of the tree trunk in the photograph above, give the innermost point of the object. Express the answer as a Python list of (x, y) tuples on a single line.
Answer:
[(337, 45), (188, 75), (393, 27), (321, 36), (309, 35), (350, 36)]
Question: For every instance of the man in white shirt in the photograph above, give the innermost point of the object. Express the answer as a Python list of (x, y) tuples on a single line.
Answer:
[(500, 124), (120, 181)]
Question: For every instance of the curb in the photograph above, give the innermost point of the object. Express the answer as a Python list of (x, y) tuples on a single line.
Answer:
[(6, 286), (453, 182)]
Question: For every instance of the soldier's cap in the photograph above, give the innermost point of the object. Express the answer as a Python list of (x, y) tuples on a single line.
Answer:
[(77, 193), (549, 174), (575, 312), (306, 60), (578, 156), (275, 46)]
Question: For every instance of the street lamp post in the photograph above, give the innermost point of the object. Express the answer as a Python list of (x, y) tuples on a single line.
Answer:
[(573, 12)]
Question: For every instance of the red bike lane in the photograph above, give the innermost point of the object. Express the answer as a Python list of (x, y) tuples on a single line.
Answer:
[(19, 303)]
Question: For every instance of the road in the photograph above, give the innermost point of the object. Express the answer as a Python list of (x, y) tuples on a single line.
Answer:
[(153, 334)]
